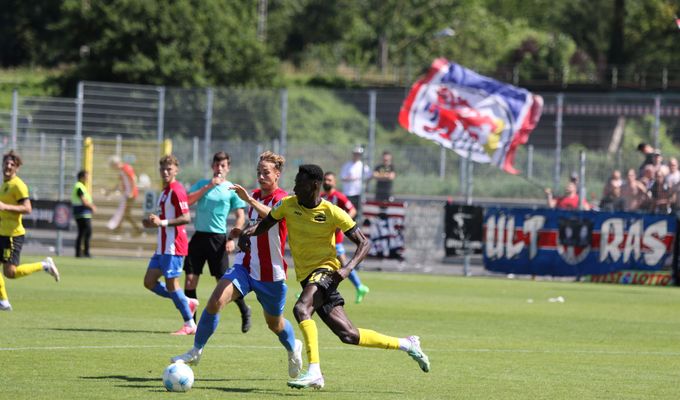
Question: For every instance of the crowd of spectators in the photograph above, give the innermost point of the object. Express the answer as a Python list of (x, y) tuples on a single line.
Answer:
[(653, 188)]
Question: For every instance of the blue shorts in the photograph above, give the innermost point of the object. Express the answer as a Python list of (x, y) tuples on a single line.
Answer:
[(271, 295), (170, 265), (339, 249)]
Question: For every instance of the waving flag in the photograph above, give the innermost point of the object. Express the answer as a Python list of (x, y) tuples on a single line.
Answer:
[(471, 113)]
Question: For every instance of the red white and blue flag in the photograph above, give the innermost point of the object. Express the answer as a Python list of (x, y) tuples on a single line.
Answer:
[(471, 113)]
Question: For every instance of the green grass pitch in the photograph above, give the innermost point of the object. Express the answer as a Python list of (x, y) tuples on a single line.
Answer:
[(98, 334)]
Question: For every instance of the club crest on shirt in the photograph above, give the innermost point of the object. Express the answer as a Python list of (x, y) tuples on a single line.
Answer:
[(320, 217)]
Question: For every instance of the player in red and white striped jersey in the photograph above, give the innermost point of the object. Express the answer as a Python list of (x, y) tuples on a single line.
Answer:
[(173, 214), (259, 267)]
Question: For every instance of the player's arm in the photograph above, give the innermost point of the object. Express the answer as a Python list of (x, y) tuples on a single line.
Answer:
[(86, 203), (261, 209), (235, 232), (23, 206), (196, 195), (363, 244), (154, 221), (255, 230)]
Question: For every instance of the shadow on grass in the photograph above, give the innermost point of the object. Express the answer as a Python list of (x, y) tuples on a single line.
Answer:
[(136, 382), (107, 330)]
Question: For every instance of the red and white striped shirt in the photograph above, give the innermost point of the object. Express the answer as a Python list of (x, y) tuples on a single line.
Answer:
[(265, 261), (340, 200), (172, 203)]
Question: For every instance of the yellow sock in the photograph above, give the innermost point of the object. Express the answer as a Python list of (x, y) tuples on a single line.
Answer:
[(3, 292), (28, 269), (311, 336), (371, 338)]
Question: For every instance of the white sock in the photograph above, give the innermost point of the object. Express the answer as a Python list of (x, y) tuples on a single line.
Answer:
[(4, 303), (190, 323), (404, 344), (314, 369)]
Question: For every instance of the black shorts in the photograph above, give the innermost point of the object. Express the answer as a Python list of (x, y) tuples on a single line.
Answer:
[(332, 298), (206, 246), (10, 249)]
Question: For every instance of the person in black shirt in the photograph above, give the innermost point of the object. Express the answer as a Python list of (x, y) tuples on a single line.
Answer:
[(384, 176)]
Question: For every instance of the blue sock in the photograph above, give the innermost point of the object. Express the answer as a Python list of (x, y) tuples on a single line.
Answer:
[(286, 336), (354, 278), (161, 290), (182, 303), (206, 327)]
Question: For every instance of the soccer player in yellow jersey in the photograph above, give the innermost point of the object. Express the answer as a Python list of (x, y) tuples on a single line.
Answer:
[(14, 202), (311, 223)]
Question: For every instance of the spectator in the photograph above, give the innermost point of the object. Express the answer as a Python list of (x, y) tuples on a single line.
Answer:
[(634, 192), (352, 175), (384, 176), (127, 184), (83, 207), (648, 152), (657, 162), (647, 178), (613, 200), (673, 176), (661, 195), (614, 181), (570, 200)]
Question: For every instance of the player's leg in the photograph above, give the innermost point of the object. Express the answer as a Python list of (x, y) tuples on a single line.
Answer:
[(193, 265), (218, 262), (223, 294), (171, 266), (337, 320), (272, 297), (152, 277), (310, 299), (4, 300), (12, 253)]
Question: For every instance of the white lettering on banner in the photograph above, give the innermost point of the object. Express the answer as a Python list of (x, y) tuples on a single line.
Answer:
[(500, 238), (633, 240), (531, 227), (652, 240), (612, 226)]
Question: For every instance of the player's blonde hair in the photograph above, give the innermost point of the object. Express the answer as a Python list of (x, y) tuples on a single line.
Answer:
[(276, 159), (169, 159)]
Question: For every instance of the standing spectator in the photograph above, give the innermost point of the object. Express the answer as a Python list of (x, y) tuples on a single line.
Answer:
[(570, 200), (83, 207), (613, 201), (384, 175), (214, 200), (14, 203), (171, 244), (634, 192), (673, 177), (339, 199), (648, 152), (352, 175), (661, 195), (647, 177), (613, 181), (127, 184)]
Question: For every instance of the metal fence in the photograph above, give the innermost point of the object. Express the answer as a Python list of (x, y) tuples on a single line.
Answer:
[(321, 126)]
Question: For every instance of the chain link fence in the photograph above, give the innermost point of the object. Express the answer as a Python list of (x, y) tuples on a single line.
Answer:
[(313, 125)]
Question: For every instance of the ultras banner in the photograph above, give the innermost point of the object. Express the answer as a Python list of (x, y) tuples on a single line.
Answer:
[(575, 243)]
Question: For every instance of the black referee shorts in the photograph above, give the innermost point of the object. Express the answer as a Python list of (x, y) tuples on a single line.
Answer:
[(210, 247)]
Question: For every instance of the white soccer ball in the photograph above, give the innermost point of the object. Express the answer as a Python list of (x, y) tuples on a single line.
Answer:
[(178, 377)]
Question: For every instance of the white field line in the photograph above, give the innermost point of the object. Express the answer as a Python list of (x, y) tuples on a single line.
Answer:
[(345, 348)]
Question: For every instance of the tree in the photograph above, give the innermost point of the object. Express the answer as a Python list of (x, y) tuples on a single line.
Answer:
[(25, 29), (178, 42)]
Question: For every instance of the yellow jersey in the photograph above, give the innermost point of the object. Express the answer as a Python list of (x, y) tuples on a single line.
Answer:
[(311, 233), (11, 192)]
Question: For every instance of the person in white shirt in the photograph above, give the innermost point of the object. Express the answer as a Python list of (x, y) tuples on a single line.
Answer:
[(353, 173)]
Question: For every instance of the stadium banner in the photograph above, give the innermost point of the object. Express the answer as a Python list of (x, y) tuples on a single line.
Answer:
[(629, 277), (384, 224), (575, 243), (471, 114), (47, 214), (463, 229)]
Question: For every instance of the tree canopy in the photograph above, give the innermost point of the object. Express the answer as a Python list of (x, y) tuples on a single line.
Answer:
[(215, 42)]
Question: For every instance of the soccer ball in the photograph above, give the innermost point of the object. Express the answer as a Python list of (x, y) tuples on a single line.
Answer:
[(178, 377)]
